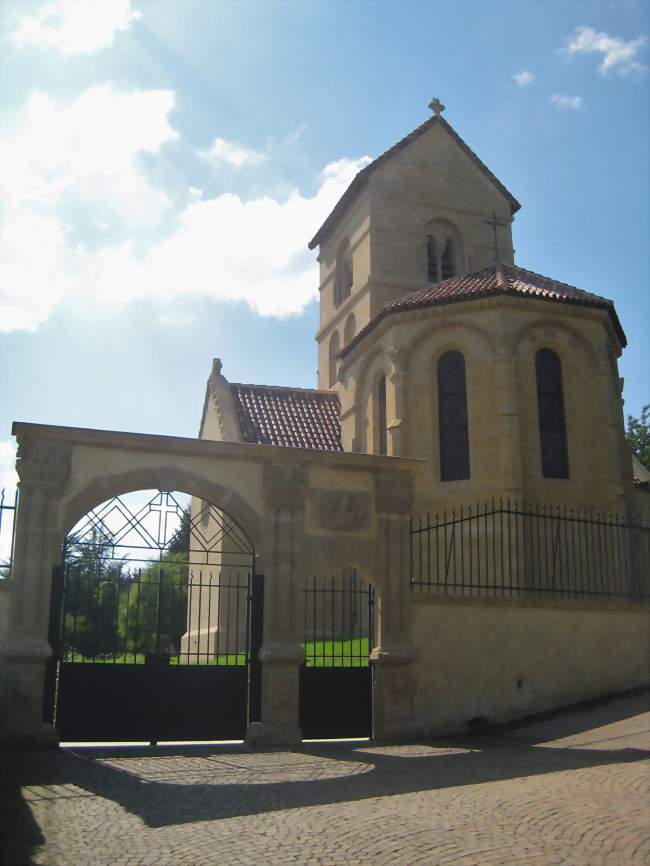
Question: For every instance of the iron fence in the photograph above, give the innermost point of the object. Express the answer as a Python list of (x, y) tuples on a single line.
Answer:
[(161, 612), (507, 549), (8, 508), (338, 621)]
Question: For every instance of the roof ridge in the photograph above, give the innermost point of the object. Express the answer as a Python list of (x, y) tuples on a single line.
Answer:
[(399, 301), (558, 282), (497, 278), (323, 392)]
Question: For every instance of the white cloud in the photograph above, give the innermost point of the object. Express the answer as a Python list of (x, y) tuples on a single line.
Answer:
[(76, 26), (81, 157), (524, 77), (233, 154), (564, 101), (617, 54), (87, 151)]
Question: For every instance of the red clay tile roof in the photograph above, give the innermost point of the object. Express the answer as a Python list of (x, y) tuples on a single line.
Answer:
[(497, 279), (293, 417), (362, 176)]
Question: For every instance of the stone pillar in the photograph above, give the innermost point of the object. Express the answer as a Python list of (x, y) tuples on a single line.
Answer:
[(393, 656), (43, 468), (282, 653), (505, 367)]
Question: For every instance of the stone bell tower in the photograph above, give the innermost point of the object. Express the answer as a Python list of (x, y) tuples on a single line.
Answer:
[(425, 210)]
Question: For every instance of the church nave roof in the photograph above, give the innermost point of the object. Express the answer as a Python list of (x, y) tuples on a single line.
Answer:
[(290, 417)]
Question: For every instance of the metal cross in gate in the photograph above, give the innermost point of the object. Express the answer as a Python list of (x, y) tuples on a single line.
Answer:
[(164, 509), (495, 223)]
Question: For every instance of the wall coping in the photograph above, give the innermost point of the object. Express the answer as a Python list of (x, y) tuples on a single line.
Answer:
[(155, 443), (613, 606)]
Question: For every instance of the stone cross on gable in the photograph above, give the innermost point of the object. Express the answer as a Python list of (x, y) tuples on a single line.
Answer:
[(436, 106)]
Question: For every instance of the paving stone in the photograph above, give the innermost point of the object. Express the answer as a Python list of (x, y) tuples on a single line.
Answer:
[(518, 798)]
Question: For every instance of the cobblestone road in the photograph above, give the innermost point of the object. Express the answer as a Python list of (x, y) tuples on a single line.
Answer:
[(574, 790)]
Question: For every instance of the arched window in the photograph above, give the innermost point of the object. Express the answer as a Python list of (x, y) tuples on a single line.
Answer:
[(452, 418), (448, 260), (432, 260), (350, 329), (382, 439), (343, 277), (334, 348), (552, 423)]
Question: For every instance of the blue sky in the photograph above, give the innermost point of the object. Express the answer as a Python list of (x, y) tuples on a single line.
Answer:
[(166, 163)]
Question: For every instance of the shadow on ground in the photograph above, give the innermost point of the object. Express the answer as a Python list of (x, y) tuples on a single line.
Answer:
[(213, 783)]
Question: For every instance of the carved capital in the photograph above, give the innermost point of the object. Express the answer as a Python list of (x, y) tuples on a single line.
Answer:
[(342, 510), (395, 357), (45, 464), (285, 486), (394, 492)]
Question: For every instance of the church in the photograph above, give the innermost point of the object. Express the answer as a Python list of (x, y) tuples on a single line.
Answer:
[(434, 344), (448, 530)]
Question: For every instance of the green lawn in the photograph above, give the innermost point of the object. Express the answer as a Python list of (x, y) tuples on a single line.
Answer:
[(319, 654), (337, 653)]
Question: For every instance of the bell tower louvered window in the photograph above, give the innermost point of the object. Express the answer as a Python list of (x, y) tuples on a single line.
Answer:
[(448, 260), (452, 415), (441, 257), (432, 260), (552, 422)]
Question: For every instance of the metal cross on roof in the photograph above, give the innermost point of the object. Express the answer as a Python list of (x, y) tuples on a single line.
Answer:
[(495, 224), (436, 106)]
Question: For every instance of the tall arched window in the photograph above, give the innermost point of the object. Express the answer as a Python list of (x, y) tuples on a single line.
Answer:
[(343, 276), (334, 348), (552, 423), (432, 260), (382, 437), (452, 418), (350, 329)]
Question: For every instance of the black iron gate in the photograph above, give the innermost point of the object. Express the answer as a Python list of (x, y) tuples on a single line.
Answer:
[(336, 676), (155, 649)]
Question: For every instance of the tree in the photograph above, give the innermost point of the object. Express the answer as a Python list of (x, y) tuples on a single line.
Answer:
[(180, 541), (638, 435)]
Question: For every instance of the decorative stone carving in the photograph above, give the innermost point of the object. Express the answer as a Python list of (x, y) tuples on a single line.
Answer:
[(43, 463), (285, 486), (342, 510), (394, 492)]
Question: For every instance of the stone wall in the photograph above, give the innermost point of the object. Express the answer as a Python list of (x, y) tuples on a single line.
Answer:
[(500, 659)]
